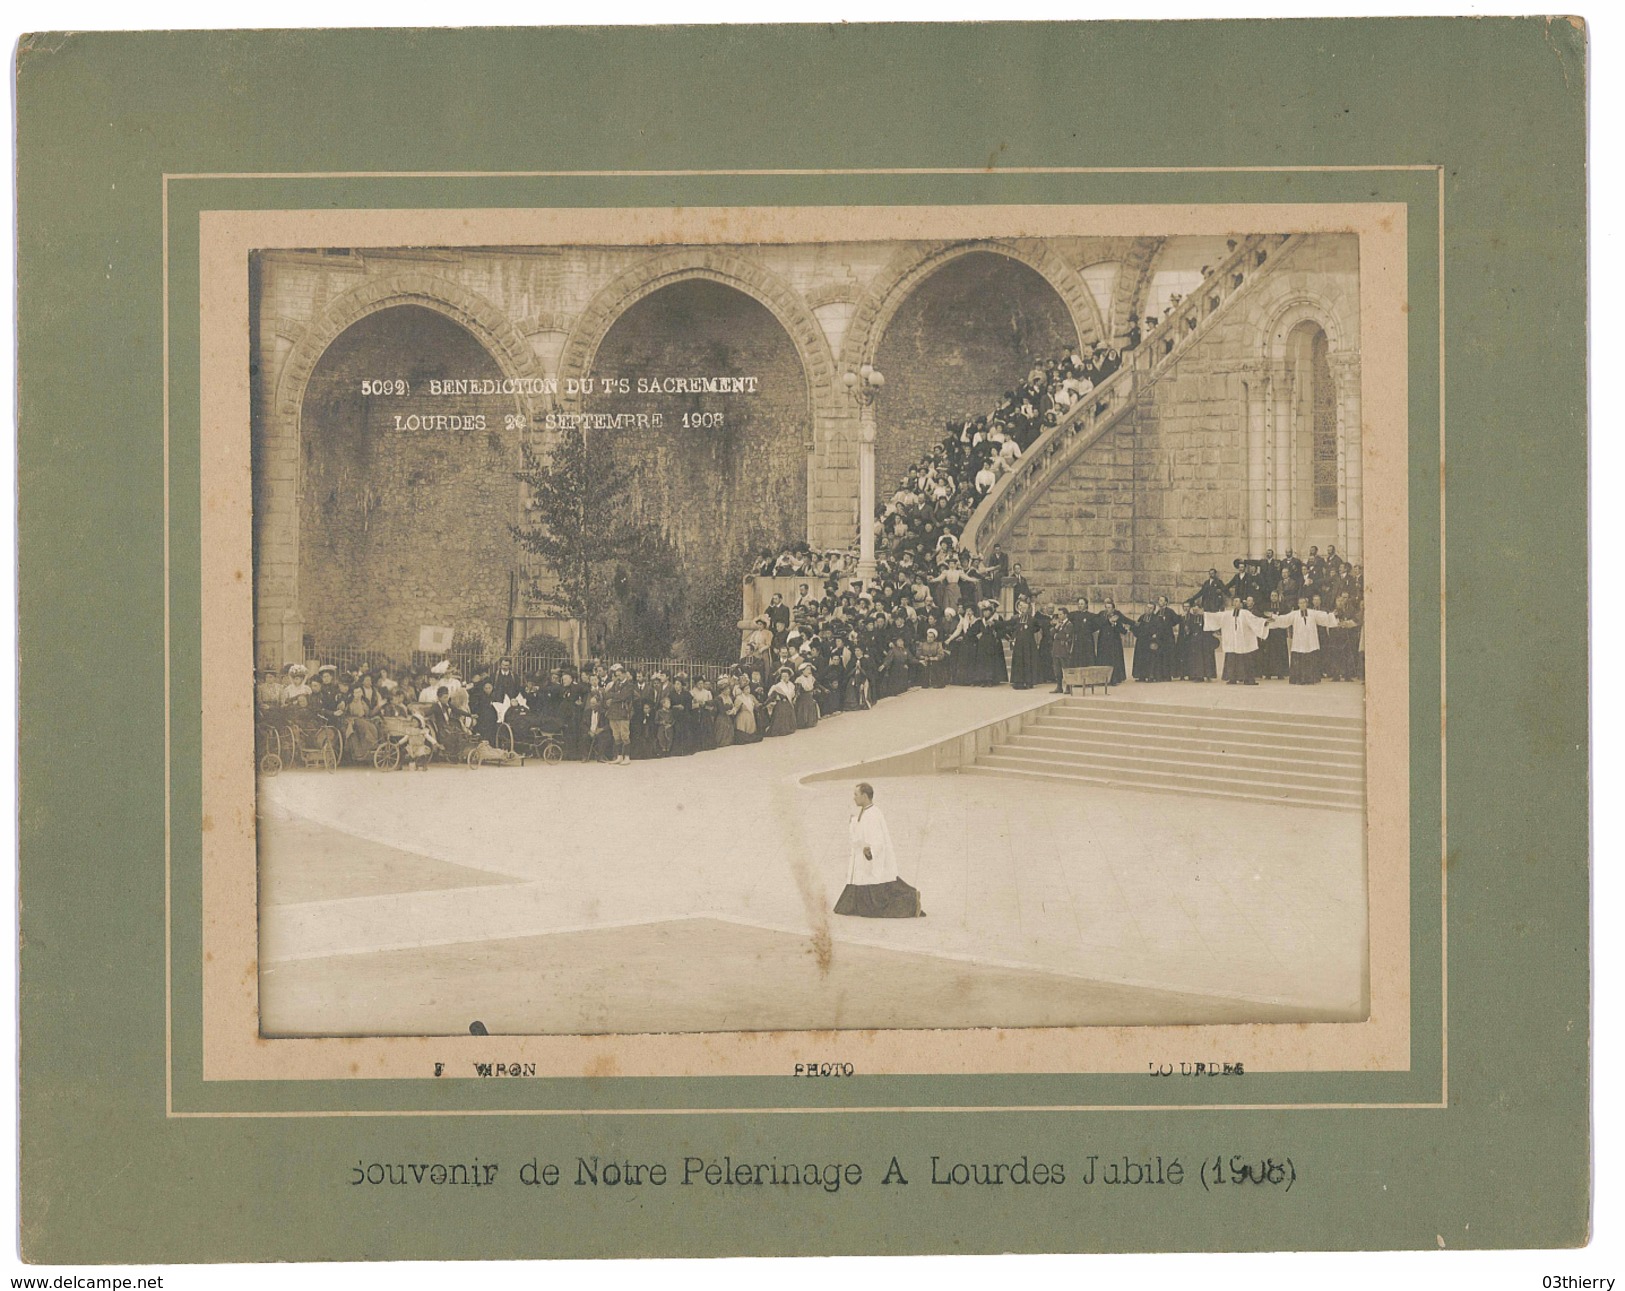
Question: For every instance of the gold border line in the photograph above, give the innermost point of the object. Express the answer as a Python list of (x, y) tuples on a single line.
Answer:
[(169, 813), (845, 1111), (169, 1108), (1444, 761), (875, 170)]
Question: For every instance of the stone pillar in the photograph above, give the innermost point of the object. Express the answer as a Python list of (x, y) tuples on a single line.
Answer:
[(1284, 479), (1272, 500), (279, 629), (866, 495), (1255, 391), (1350, 530)]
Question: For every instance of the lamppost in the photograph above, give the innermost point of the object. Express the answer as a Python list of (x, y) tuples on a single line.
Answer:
[(864, 385)]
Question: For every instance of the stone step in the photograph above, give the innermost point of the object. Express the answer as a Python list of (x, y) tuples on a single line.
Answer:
[(1253, 757), (1243, 719), (1193, 728), (1097, 702), (1128, 762), (1292, 797)]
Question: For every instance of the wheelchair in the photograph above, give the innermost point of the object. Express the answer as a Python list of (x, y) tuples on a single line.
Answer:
[(391, 751), (313, 746), (536, 742), (267, 748)]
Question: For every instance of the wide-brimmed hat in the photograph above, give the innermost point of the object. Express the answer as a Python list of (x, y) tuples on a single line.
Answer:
[(440, 669)]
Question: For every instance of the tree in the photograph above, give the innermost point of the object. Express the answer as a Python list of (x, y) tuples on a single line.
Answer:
[(582, 531)]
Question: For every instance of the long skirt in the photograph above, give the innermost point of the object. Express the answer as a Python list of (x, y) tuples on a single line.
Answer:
[(1305, 667), (988, 662), (806, 710), (934, 674), (1242, 668), (782, 718), (363, 737), (894, 900), (722, 730)]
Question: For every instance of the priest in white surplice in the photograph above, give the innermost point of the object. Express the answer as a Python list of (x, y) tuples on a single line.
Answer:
[(1305, 624), (873, 889), (1240, 631)]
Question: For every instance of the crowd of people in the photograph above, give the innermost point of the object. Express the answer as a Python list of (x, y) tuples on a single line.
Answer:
[(930, 617), (832, 650), (920, 525)]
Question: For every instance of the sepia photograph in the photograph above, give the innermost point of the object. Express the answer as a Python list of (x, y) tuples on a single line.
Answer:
[(901, 634)]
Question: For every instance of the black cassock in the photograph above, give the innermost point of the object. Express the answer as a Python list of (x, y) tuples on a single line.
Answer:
[(1275, 653), (1109, 644), (986, 654), (1151, 648), (1025, 664), (1198, 649), (1084, 627)]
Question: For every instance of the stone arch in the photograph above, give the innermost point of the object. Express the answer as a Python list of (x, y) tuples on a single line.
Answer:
[(1299, 306), (1133, 281), (716, 265), (547, 321), (1280, 466), (278, 618), (488, 324), (839, 291), (916, 262)]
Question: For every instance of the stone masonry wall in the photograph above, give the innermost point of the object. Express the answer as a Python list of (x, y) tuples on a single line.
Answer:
[(1144, 509), (1147, 509), (720, 492), (970, 332), (1156, 501), (401, 526)]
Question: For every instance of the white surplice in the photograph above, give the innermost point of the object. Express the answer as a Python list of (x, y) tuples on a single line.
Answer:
[(1305, 626), (867, 828), (1239, 631)]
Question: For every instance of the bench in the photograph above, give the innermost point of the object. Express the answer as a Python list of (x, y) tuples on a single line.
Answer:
[(1098, 675)]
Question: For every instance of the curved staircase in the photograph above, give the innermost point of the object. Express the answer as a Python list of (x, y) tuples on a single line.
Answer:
[(1292, 758), (1255, 258)]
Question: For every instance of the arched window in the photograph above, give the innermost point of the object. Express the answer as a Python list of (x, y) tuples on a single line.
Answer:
[(1314, 417)]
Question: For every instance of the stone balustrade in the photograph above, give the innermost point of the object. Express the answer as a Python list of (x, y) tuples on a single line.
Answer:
[(1112, 399)]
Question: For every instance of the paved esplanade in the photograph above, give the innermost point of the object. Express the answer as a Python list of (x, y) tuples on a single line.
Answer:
[(412, 900)]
